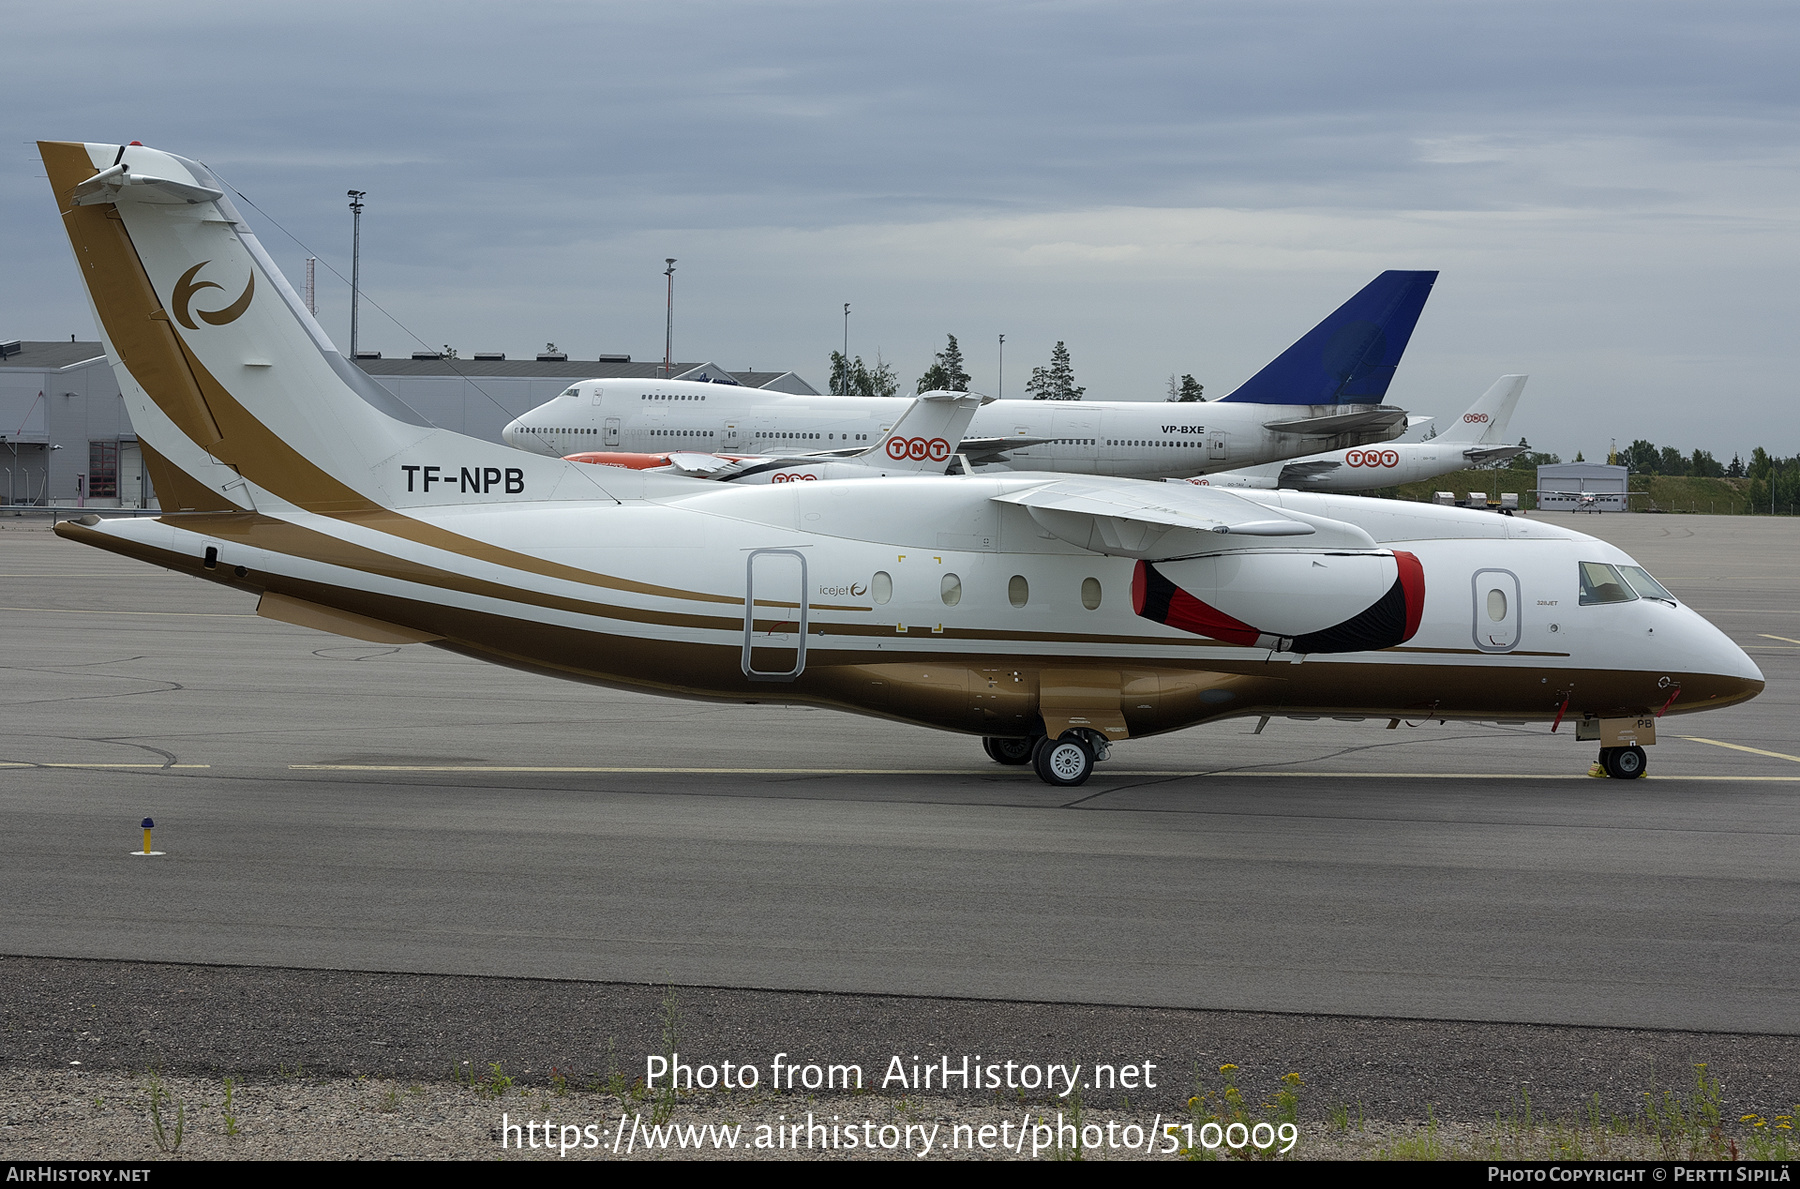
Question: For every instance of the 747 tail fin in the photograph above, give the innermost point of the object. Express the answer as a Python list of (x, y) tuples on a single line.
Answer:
[(1350, 357)]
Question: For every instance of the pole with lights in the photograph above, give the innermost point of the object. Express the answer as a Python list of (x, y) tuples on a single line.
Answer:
[(669, 325), (356, 210)]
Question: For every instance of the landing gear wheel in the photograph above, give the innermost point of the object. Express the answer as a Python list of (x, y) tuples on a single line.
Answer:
[(1624, 763), (1004, 750), (1067, 762)]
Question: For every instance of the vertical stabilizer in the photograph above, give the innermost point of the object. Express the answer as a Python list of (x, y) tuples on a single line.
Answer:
[(1350, 357), (928, 433), (230, 380), (1485, 421)]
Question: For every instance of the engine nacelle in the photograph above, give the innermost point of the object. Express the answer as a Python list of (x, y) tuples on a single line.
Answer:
[(1290, 601)]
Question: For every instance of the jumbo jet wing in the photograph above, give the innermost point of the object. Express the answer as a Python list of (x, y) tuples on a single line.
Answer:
[(1159, 522)]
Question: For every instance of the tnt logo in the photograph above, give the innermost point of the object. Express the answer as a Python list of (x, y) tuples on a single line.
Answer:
[(1373, 458), (1475, 418), (793, 477), (918, 449)]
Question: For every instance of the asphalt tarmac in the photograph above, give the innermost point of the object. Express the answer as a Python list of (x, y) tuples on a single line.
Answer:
[(336, 806)]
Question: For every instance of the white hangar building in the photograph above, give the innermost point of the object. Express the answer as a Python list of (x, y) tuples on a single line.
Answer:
[(66, 440)]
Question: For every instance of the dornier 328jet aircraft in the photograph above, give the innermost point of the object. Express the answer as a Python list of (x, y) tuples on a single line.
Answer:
[(1053, 616), (1322, 393)]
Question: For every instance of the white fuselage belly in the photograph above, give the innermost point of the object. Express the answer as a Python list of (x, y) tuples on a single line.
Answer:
[(665, 612), (1141, 440)]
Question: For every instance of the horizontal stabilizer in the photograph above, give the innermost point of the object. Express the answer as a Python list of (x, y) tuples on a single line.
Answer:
[(1294, 474), (1350, 357), (1382, 417), (1483, 455), (981, 450)]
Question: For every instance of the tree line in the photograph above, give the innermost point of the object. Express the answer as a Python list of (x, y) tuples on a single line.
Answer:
[(1054, 381)]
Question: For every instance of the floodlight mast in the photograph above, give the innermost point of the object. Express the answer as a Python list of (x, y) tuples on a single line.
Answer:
[(356, 210), (669, 325)]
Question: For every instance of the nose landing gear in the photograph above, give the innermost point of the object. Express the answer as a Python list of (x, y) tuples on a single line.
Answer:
[(1624, 763)]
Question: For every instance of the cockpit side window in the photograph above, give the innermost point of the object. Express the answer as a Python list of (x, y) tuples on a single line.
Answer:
[(1646, 586), (1601, 583)]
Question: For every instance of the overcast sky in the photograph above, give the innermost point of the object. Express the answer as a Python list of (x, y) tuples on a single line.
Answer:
[(1608, 189)]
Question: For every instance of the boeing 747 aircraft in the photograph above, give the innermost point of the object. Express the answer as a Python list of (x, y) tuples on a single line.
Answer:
[(1055, 617), (1322, 393)]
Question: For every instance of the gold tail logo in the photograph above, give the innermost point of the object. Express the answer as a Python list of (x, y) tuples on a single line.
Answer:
[(186, 287)]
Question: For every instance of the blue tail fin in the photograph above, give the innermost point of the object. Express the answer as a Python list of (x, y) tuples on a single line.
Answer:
[(1350, 357)]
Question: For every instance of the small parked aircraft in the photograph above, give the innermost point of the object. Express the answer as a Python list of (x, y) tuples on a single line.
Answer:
[(1054, 616)]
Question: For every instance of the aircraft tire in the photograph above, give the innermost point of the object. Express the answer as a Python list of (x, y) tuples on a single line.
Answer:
[(1065, 763), (1625, 763), (1008, 750)]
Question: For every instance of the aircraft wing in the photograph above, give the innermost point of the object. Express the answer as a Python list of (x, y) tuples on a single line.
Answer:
[(1482, 455), (1380, 417), (1296, 473), (982, 450), (1158, 522)]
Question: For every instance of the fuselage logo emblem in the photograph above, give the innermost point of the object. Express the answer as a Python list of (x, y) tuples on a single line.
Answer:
[(186, 287)]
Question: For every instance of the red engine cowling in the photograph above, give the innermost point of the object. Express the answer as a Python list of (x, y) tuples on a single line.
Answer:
[(1287, 601)]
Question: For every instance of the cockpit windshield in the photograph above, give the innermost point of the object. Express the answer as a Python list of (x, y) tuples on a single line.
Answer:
[(1644, 584), (1601, 583)]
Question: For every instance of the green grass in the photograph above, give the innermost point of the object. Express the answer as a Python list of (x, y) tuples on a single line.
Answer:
[(1661, 493)]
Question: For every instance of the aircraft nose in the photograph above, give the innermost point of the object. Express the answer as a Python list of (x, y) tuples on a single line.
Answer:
[(1727, 674)]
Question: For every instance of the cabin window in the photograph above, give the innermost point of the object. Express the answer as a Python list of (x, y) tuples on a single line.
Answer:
[(950, 590), (1496, 605), (881, 587), (1601, 583), (1018, 591), (1090, 593)]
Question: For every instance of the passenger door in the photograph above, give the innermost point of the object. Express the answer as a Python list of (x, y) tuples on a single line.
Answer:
[(1497, 611), (775, 615)]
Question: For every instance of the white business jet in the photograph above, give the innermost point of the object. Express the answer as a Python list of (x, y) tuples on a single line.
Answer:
[(1054, 616)]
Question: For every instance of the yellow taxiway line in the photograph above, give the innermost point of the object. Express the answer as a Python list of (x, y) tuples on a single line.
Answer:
[(1757, 751)]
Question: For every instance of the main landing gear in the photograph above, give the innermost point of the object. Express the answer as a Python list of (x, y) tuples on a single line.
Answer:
[(1009, 751), (1064, 762), (1623, 763)]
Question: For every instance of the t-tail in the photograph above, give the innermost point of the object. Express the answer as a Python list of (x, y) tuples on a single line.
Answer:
[(1350, 357), (238, 398)]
